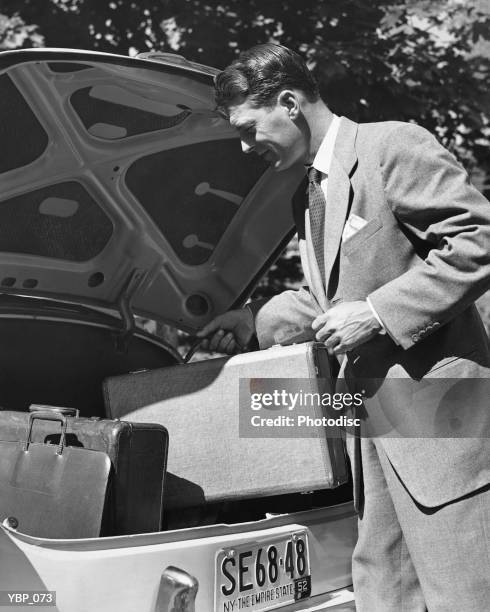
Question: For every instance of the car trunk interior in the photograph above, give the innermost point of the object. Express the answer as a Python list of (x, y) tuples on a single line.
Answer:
[(64, 363)]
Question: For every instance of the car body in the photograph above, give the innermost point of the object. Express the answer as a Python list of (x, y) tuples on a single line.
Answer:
[(125, 195)]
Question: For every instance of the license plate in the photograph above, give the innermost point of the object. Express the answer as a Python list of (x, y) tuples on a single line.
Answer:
[(263, 575)]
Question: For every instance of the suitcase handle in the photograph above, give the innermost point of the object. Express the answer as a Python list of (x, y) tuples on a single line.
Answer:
[(71, 412), (47, 416)]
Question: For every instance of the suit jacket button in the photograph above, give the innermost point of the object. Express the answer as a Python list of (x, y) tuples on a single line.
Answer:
[(436, 324), (415, 337)]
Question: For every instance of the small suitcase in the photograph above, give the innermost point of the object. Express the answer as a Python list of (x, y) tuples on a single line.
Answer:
[(52, 491), (138, 454), (210, 460)]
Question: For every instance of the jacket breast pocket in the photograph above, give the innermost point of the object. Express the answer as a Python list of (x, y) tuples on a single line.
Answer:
[(355, 241)]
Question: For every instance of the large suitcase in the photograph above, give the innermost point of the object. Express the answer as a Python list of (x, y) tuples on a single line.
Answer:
[(138, 454), (211, 458)]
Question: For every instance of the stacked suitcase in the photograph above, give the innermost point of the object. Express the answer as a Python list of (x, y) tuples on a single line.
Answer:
[(137, 454)]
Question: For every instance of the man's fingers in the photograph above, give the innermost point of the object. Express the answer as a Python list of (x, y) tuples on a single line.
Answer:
[(319, 321), (209, 328), (324, 333), (224, 345), (233, 348), (216, 339), (222, 342), (340, 349), (233, 325), (332, 342)]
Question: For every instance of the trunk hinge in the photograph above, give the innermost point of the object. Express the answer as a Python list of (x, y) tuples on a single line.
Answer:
[(124, 303)]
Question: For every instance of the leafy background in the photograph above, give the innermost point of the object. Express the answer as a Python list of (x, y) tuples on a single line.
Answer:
[(426, 61)]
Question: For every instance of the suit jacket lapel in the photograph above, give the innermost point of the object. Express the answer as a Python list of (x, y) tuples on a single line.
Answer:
[(343, 162), (338, 191)]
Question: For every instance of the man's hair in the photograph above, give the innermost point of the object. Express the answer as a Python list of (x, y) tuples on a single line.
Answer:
[(260, 73)]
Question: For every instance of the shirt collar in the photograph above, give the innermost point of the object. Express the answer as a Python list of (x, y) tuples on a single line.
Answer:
[(324, 154)]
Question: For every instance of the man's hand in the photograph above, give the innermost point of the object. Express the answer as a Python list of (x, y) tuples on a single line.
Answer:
[(228, 333), (345, 326)]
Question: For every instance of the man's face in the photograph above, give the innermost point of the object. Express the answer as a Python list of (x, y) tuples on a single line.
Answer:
[(270, 132)]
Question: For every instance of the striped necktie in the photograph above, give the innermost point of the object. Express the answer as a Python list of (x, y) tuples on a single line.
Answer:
[(317, 204)]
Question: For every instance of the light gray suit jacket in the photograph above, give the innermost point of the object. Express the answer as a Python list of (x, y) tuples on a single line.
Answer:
[(423, 258)]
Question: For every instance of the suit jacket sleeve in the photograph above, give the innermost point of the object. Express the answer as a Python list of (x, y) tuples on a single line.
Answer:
[(429, 194), (285, 318)]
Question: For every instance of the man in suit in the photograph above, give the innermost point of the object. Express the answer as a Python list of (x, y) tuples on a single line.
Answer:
[(395, 248)]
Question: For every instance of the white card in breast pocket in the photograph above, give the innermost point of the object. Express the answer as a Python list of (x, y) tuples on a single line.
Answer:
[(352, 226)]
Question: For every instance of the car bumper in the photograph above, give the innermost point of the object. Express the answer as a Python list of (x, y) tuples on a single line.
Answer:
[(125, 572)]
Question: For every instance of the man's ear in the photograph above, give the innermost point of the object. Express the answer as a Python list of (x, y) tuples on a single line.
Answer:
[(289, 100)]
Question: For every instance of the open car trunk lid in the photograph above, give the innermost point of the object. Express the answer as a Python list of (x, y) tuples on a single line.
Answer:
[(123, 187)]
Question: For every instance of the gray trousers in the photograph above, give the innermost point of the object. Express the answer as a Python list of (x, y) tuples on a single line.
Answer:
[(410, 558)]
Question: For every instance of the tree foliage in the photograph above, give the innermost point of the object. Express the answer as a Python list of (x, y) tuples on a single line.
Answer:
[(16, 34)]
